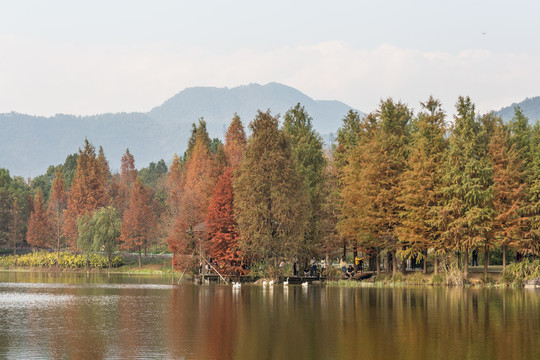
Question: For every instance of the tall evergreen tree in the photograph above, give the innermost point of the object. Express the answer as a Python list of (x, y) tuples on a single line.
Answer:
[(467, 188), (307, 147), (270, 195)]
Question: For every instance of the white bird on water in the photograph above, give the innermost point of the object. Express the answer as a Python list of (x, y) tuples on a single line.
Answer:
[(305, 284), (265, 283), (236, 285), (286, 282), (271, 283)]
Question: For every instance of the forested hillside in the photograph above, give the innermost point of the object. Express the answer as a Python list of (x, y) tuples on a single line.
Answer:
[(29, 144)]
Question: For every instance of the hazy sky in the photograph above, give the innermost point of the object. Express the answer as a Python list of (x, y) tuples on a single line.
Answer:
[(89, 57)]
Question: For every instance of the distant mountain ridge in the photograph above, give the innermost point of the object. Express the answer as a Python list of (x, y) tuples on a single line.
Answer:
[(29, 144), (529, 106)]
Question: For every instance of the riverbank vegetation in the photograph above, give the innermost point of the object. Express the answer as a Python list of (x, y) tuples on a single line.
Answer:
[(394, 190)]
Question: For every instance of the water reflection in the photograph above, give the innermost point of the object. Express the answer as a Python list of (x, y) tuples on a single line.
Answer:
[(77, 316)]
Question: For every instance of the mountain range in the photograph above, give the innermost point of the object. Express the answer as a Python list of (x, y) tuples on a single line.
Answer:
[(29, 144)]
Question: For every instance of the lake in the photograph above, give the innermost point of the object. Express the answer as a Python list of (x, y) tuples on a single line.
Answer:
[(95, 316)]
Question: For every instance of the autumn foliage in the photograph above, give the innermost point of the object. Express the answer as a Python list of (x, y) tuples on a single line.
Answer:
[(88, 190), (40, 231), (222, 227)]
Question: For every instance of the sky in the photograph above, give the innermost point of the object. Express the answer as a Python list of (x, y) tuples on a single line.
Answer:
[(91, 57)]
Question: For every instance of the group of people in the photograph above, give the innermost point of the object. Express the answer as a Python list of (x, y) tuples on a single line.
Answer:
[(319, 268)]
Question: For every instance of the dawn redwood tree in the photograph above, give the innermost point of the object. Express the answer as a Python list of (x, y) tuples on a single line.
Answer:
[(197, 182), (271, 200), (346, 139), (57, 204), (467, 187), (99, 231), (138, 220), (417, 230), (372, 179), (509, 190), (235, 142), (15, 227), (128, 174), (222, 227), (88, 190), (531, 242), (40, 232), (307, 147)]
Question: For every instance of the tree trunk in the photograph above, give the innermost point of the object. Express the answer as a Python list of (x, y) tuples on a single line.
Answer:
[(345, 251), (404, 266), (504, 257), (394, 262), (377, 263), (425, 261), (109, 258), (486, 260), (436, 264), (355, 254), (466, 263), (140, 262)]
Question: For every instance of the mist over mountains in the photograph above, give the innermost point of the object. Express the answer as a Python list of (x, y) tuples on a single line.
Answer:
[(29, 144)]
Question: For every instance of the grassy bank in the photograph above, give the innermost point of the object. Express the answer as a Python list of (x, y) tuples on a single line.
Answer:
[(121, 263)]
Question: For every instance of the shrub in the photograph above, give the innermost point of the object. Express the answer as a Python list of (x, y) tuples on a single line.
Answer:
[(66, 260), (517, 273), (438, 279)]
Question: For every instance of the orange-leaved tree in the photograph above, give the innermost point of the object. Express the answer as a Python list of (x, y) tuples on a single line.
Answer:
[(222, 227), (138, 219), (40, 231), (88, 190)]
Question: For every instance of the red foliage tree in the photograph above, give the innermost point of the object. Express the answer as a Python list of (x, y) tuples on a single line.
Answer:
[(196, 184), (222, 227), (88, 190), (138, 219), (40, 231)]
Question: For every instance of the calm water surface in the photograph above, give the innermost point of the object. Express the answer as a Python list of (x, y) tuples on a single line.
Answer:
[(75, 316)]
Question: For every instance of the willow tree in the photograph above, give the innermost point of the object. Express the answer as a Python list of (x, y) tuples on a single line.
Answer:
[(307, 147), (417, 231), (271, 200), (99, 231), (467, 188)]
